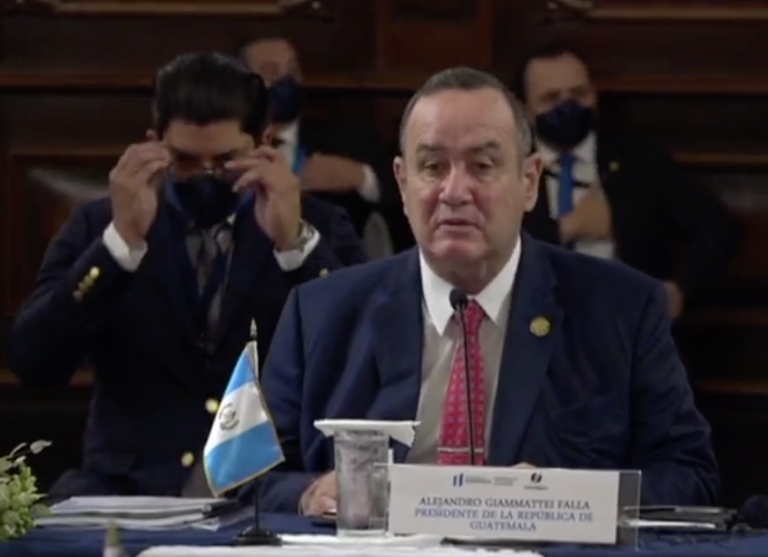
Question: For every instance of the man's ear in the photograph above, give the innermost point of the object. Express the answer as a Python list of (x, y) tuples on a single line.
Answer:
[(533, 166), (398, 169), (268, 136)]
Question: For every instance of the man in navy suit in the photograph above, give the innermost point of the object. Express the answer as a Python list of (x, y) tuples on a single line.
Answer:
[(571, 359), (159, 288)]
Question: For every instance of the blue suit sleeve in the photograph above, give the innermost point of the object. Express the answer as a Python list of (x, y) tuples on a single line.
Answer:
[(75, 288), (671, 439), (281, 381)]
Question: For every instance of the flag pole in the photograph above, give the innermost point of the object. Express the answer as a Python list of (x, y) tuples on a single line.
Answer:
[(255, 534)]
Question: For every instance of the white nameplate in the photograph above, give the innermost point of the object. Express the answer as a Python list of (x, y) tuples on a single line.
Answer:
[(544, 505)]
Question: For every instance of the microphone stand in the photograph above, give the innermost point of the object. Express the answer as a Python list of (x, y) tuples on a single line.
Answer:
[(459, 301), (254, 534)]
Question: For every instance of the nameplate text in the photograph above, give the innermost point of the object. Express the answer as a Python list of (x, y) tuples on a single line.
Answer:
[(543, 505)]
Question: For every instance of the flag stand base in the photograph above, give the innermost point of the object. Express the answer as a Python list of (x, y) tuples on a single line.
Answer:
[(253, 535)]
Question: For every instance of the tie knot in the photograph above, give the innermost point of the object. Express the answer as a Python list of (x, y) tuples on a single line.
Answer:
[(473, 316), (567, 160), (217, 238)]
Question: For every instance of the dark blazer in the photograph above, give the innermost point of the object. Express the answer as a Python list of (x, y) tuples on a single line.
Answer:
[(605, 389), (654, 209), (137, 332), (361, 145)]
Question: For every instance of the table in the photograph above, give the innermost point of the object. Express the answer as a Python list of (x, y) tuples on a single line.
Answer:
[(57, 542)]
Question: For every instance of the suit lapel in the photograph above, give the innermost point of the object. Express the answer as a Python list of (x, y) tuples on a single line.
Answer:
[(398, 343), (173, 269), (532, 328), (252, 250)]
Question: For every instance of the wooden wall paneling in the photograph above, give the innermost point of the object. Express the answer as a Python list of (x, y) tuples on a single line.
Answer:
[(175, 8), (58, 416), (35, 45), (706, 55), (674, 10), (745, 191), (420, 37), (42, 190), (732, 124)]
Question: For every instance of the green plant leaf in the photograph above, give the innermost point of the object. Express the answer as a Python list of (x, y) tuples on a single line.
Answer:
[(39, 446), (18, 448), (19, 497)]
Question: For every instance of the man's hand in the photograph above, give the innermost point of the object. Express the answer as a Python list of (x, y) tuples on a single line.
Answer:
[(675, 299), (278, 205), (320, 496), (590, 220), (524, 465), (133, 185), (330, 173)]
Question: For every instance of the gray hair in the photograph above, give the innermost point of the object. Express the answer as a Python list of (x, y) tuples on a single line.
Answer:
[(470, 79)]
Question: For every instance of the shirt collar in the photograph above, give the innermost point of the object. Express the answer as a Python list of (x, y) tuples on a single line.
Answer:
[(584, 152), (290, 134), (437, 291)]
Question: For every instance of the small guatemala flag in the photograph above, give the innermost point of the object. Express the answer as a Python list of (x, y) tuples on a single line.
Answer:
[(243, 443)]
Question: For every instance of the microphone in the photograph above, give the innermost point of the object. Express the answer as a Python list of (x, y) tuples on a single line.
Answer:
[(459, 301), (752, 516)]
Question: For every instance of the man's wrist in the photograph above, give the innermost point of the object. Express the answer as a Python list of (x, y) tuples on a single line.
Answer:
[(127, 256), (292, 258), (289, 241)]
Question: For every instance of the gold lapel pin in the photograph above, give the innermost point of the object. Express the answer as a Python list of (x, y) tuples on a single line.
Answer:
[(614, 166), (540, 326)]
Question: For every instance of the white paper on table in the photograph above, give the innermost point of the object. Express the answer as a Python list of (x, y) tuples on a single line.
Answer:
[(403, 431), (131, 506), (346, 550), (137, 513)]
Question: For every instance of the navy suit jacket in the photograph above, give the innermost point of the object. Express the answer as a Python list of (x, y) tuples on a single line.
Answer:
[(605, 389), (137, 332)]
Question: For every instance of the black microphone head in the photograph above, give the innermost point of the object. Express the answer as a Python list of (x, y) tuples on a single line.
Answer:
[(459, 299)]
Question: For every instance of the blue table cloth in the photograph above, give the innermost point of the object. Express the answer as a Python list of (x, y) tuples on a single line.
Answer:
[(57, 542)]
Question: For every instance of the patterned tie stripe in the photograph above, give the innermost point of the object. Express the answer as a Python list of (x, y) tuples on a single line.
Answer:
[(454, 447)]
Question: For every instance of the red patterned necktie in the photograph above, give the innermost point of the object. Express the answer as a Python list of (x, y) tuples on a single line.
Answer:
[(454, 433)]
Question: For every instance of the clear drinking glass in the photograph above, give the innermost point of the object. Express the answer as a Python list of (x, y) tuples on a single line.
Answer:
[(361, 459)]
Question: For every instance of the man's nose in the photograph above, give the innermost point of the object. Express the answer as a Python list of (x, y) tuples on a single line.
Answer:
[(457, 186)]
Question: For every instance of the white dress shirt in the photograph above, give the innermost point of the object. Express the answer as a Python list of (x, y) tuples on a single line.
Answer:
[(289, 137), (130, 259), (585, 170), (442, 337)]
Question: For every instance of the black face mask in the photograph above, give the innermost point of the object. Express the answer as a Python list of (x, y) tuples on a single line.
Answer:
[(206, 200), (566, 125), (286, 100)]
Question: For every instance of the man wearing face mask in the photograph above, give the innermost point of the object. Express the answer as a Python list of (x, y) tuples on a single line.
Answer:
[(336, 161), (159, 288), (613, 196)]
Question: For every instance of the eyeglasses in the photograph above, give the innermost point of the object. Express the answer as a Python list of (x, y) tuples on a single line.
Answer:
[(185, 165)]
